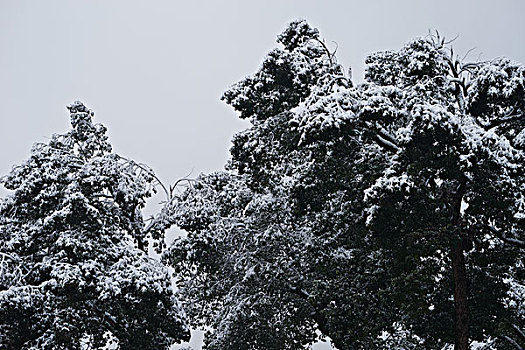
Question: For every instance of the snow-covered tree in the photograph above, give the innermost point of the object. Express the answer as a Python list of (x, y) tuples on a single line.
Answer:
[(244, 293), (263, 263), (449, 203), (390, 214), (74, 268)]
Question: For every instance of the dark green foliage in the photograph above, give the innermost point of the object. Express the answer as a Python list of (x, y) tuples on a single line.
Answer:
[(74, 271), (367, 212)]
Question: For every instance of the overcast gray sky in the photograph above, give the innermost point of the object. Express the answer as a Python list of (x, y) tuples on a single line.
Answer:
[(154, 71)]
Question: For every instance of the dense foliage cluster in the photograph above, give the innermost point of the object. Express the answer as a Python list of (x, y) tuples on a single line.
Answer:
[(75, 272), (384, 215), (388, 214)]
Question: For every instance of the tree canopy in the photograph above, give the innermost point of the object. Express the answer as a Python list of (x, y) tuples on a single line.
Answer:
[(75, 272), (387, 214)]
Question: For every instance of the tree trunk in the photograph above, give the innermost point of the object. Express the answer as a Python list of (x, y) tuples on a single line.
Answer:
[(460, 297)]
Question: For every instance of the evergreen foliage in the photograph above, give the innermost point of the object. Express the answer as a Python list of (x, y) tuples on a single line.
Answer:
[(384, 215), (75, 272), (388, 214)]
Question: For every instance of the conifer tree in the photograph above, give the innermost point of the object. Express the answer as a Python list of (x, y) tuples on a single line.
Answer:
[(388, 214), (75, 272)]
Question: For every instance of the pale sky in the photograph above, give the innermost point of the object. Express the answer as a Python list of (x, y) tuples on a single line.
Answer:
[(153, 71)]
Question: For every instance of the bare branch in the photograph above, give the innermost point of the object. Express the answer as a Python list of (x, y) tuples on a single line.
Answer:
[(174, 186), (336, 47), (519, 332), (512, 342), (386, 144), (328, 53), (153, 220), (451, 40), (453, 65), (468, 52), (387, 136)]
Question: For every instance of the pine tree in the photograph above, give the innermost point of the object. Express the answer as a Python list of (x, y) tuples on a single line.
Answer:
[(75, 272)]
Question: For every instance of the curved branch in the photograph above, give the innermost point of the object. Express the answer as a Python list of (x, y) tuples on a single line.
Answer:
[(468, 52), (512, 241), (153, 222), (328, 53), (451, 40), (149, 171), (512, 342), (386, 144), (519, 332)]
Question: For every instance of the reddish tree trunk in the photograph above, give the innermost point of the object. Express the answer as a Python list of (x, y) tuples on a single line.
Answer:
[(460, 298)]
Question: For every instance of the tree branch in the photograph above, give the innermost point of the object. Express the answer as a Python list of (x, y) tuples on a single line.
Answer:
[(519, 332), (171, 197), (512, 342), (460, 86), (512, 241), (387, 136), (328, 53), (149, 171), (386, 144), (504, 119)]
